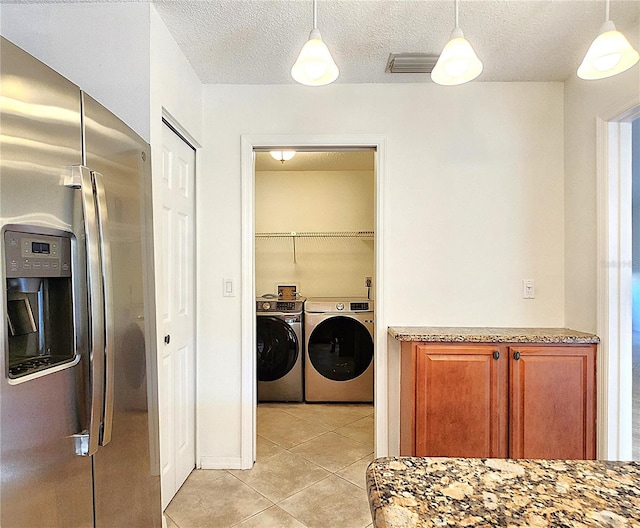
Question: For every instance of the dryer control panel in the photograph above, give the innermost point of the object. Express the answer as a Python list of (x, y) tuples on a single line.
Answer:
[(273, 305)]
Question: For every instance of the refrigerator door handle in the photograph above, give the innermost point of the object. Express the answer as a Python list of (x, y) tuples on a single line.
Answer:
[(96, 310), (109, 326)]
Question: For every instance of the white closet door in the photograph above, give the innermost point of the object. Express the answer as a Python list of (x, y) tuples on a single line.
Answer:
[(176, 321)]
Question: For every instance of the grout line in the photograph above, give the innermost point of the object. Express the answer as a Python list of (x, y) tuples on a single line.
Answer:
[(254, 515), (302, 489), (352, 439), (349, 482), (169, 517), (271, 503)]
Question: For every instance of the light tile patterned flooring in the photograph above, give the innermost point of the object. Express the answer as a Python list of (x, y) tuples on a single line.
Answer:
[(310, 472)]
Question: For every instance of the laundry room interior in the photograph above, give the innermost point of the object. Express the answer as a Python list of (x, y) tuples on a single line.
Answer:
[(314, 277), (322, 194)]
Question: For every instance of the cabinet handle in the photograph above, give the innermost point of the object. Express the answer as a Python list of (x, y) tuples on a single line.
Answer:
[(496, 354), (516, 355), (167, 339)]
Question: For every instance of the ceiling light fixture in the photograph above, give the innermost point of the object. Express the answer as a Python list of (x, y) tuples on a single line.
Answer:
[(458, 63), (282, 155), (315, 66), (609, 54)]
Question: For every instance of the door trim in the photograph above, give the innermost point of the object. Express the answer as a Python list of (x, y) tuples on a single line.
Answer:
[(183, 132), (614, 268), (248, 360)]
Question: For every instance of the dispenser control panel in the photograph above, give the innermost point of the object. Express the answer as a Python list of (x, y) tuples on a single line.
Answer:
[(29, 255)]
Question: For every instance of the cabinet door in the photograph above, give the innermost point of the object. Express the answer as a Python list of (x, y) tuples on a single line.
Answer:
[(461, 401), (552, 402)]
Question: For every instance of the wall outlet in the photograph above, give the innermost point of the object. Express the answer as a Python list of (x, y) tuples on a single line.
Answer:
[(528, 289), (367, 282)]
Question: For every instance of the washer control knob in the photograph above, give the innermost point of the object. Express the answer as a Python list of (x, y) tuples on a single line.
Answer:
[(340, 306), (266, 306)]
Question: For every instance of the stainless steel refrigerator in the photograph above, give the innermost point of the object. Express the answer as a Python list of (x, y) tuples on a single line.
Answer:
[(78, 373)]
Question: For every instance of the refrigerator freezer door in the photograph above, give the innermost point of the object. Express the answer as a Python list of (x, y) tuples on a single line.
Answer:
[(126, 469), (44, 483)]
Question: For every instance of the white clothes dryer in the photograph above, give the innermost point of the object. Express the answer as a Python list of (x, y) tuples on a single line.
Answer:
[(339, 349), (279, 349)]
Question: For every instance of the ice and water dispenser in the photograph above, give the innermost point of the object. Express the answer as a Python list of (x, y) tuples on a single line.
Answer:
[(39, 301)]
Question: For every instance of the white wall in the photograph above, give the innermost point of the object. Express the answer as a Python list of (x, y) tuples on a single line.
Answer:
[(287, 201), (474, 204), (174, 84), (585, 101), (102, 47)]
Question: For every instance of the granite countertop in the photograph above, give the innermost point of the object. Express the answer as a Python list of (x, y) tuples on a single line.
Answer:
[(414, 492), (491, 335)]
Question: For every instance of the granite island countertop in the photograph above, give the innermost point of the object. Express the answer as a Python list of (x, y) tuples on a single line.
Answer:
[(415, 492), (455, 334)]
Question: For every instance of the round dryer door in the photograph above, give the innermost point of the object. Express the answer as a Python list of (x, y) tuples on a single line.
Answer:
[(340, 348), (278, 348)]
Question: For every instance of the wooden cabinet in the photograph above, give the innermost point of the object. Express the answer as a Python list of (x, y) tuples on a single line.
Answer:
[(460, 401), (552, 402), (497, 400)]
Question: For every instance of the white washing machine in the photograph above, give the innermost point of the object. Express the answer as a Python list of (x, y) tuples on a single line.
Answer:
[(338, 349), (279, 349)]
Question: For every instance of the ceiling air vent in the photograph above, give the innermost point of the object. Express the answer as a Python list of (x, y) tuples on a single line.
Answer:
[(411, 63)]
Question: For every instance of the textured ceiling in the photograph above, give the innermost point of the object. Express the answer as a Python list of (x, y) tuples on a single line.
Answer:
[(257, 41)]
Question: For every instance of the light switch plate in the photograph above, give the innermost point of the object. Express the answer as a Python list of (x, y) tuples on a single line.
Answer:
[(228, 288), (528, 289)]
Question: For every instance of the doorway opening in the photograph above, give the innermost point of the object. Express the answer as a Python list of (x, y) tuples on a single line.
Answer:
[(315, 232), (615, 282), (312, 244)]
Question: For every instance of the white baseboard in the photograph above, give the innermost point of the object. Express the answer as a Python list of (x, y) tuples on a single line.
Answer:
[(220, 463)]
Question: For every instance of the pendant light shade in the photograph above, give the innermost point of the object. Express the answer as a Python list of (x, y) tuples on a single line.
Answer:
[(315, 65), (609, 54), (282, 155), (458, 62)]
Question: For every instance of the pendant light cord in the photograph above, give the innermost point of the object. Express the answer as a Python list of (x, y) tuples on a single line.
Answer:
[(607, 10), (315, 14), (456, 4)]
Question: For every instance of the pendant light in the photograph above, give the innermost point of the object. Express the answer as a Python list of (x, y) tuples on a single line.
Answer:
[(315, 66), (458, 63), (609, 54), (282, 155)]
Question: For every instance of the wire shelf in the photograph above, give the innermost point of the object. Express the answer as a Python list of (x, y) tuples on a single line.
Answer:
[(318, 234), (293, 235)]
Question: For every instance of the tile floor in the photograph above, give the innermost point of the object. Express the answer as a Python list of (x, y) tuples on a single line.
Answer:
[(310, 472)]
